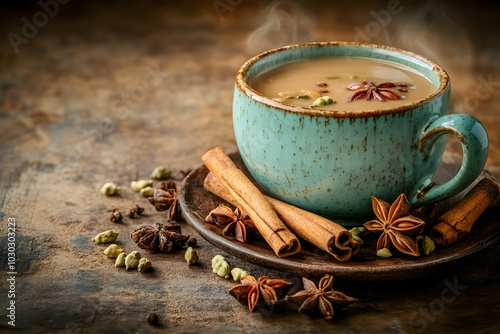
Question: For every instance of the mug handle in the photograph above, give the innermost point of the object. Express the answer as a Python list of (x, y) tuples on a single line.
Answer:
[(474, 140)]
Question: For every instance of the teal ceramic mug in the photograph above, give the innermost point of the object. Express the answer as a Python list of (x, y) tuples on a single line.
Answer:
[(332, 162)]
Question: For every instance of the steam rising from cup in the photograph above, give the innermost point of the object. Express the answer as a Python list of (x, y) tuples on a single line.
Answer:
[(284, 23), (425, 31)]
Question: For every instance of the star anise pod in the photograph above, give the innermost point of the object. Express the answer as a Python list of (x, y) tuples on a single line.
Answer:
[(257, 293), (383, 91), (321, 300), (159, 238), (165, 198), (396, 224), (234, 221), (221, 215)]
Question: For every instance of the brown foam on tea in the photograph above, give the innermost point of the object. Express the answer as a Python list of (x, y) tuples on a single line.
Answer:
[(301, 83)]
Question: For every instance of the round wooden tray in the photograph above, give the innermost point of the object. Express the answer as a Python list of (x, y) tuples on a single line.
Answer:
[(196, 203)]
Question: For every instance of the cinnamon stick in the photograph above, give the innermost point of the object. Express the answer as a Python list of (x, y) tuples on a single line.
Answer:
[(283, 242), (321, 232), (456, 223)]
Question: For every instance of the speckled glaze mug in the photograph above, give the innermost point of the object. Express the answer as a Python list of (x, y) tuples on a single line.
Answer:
[(332, 162)]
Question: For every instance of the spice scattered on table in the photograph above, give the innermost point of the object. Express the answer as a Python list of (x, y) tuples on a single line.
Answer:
[(161, 173), (159, 238), (140, 184), (105, 237), (165, 198), (221, 267), (110, 189), (147, 192), (144, 265), (132, 260), (258, 293), (116, 216), (321, 300), (238, 273), (191, 256), (120, 260), (112, 251), (137, 210)]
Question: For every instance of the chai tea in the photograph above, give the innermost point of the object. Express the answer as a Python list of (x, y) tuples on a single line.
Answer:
[(344, 83)]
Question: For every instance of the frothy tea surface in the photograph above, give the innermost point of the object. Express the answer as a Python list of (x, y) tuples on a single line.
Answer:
[(344, 83)]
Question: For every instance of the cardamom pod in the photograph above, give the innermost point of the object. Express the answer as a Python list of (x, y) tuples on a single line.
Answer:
[(357, 233), (191, 256), (139, 184), (110, 189), (427, 245), (147, 191), (132, 260), (161, 173), (113, 251), (105, 237), (120, 260), (220, 266), (322, 101), (238, 273), (144, 265), (384, 253)]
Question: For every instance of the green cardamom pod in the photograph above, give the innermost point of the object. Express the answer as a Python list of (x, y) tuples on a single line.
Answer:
[(139, 184), (143, 265), (147, 191), (113, 251), (105, 237), (358, 239), (384, 253), (161, 173), (238, 273), (220, 266), (358, 231), (120, 260), (191, 256), (110, 189), (427, 245), (132, 260), (322, 101)]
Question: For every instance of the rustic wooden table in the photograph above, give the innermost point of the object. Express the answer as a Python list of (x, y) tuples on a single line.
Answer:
[(91, 92)]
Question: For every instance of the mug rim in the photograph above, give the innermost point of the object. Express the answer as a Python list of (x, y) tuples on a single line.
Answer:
[(243, 86)]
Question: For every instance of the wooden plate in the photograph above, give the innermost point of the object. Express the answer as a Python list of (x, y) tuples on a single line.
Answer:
[(196, 203)]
